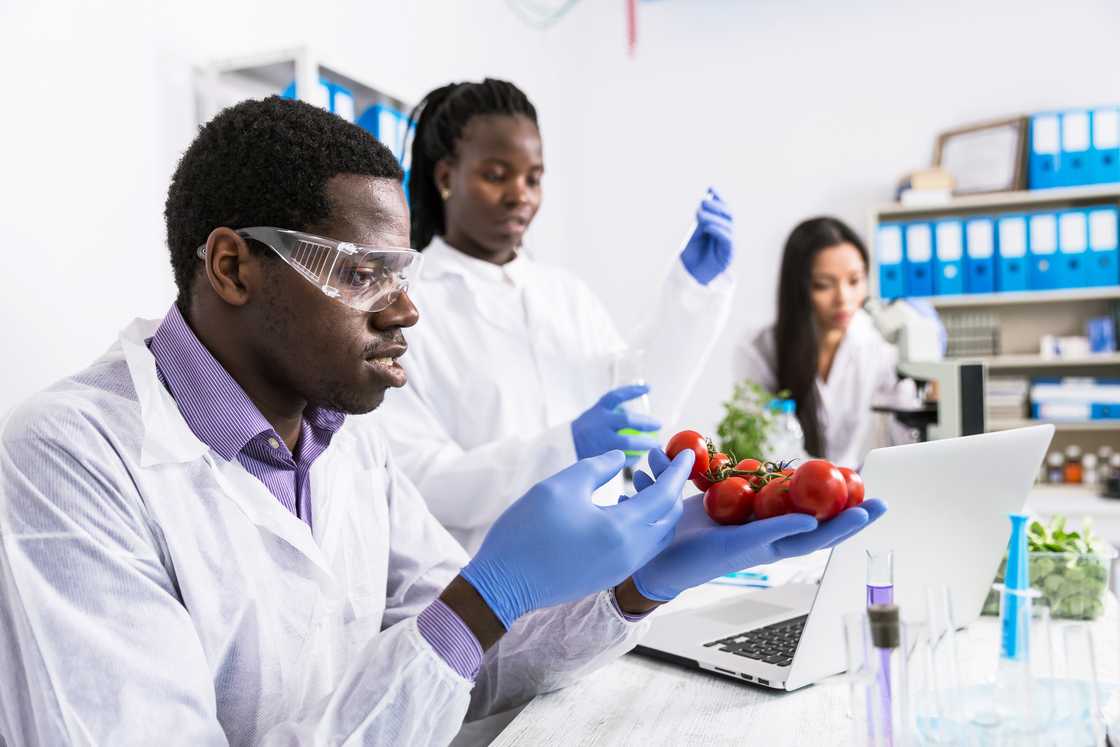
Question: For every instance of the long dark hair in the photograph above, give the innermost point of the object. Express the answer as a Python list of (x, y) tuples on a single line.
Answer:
[(796, 332), (439, 119)]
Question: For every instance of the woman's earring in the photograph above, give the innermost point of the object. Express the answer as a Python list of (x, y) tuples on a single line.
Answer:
[(445, 194)]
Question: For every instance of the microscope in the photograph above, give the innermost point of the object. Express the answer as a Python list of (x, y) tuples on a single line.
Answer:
[(954, 401)]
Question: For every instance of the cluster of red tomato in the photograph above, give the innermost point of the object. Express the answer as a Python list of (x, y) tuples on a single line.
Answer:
[(753, 489)]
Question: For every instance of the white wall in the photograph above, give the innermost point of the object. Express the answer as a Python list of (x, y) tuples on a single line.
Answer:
[(790, 107)]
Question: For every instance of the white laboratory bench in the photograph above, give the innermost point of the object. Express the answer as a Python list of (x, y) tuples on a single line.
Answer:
[(636, 701)]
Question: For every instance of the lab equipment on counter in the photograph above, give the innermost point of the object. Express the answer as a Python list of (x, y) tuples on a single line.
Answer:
[(880, 577), (960, 385), (1054, 472), (915, 334)]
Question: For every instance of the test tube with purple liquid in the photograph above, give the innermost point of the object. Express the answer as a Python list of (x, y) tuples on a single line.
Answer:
[(880, 590), (880, 577)]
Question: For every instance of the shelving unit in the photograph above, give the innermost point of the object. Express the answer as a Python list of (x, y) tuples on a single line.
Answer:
[(1023, 317), (1005, 201), (1019, 362), (1090, 426), (1028, 297), (225, 82)]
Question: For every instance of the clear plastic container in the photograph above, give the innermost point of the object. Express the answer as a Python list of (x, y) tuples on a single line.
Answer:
[(1074, 585)]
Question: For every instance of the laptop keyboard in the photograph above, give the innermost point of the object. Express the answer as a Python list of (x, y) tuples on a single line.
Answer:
[(773, 644)]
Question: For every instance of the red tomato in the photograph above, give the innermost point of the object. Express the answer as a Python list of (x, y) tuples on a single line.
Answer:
[(751, 465), (773, 499), (714, 474), (730, 501), (690, 440), (748, 465), (817, 488), (855, 486)]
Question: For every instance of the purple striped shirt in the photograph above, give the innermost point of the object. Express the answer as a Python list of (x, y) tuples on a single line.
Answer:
[(222, 416), (218, 411)]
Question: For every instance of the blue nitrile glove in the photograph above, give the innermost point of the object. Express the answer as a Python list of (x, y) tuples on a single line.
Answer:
[(702, 550), (708, 251), (596, 431), (925, 308), (553, 545)]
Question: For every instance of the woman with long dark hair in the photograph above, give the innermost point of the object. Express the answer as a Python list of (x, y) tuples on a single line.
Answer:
[(824, 348), (508, 374)]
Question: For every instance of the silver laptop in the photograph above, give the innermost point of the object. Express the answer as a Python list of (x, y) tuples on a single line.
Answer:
[(947, 524)]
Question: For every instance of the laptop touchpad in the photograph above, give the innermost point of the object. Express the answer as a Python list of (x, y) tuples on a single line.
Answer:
[(746, 611)]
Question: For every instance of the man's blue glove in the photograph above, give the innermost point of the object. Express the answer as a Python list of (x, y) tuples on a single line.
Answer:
[(708, 251), (553, 545), (702, 550), (925, 308), (596, 431)]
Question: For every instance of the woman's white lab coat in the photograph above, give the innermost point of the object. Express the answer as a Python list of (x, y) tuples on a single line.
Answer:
[(152, 592), (863, 371), (502, 361)]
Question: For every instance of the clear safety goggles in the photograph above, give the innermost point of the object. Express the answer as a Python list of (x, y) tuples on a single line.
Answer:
[(365, 278)]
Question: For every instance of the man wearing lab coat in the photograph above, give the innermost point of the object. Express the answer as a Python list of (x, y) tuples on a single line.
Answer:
[(196, 548)]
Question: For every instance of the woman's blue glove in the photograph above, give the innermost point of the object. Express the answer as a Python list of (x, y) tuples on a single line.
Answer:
[(596, 431), (708, 251), (702, 550), (554, 545)]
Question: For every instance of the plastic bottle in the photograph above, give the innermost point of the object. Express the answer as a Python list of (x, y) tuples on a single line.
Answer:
[(1091, 475), (1054, 473), (1114, 463), (786, 441), (1104, 455), (1072, 472)]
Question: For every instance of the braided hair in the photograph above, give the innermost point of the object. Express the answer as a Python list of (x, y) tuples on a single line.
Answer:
[(440, 119)]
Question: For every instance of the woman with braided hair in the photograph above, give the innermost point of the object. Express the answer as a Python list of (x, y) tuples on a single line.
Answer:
[(507, 376)]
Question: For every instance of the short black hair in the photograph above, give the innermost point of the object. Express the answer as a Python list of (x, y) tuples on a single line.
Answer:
[(262, 163), (440, 119)]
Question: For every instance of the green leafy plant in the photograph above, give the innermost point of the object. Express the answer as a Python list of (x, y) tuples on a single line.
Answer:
[(746, 421), (1069, 568)]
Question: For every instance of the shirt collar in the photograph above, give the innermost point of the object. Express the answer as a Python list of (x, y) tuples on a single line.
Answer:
[(442, 258), (214, 406)]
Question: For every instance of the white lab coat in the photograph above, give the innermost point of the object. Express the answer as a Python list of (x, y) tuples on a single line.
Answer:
[(152, 592), (864, 370), (502, 361)]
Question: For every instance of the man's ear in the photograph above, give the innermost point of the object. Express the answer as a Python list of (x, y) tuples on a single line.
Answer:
[(232, 271)]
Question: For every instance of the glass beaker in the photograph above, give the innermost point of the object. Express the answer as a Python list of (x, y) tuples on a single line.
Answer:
[(627, 368)]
